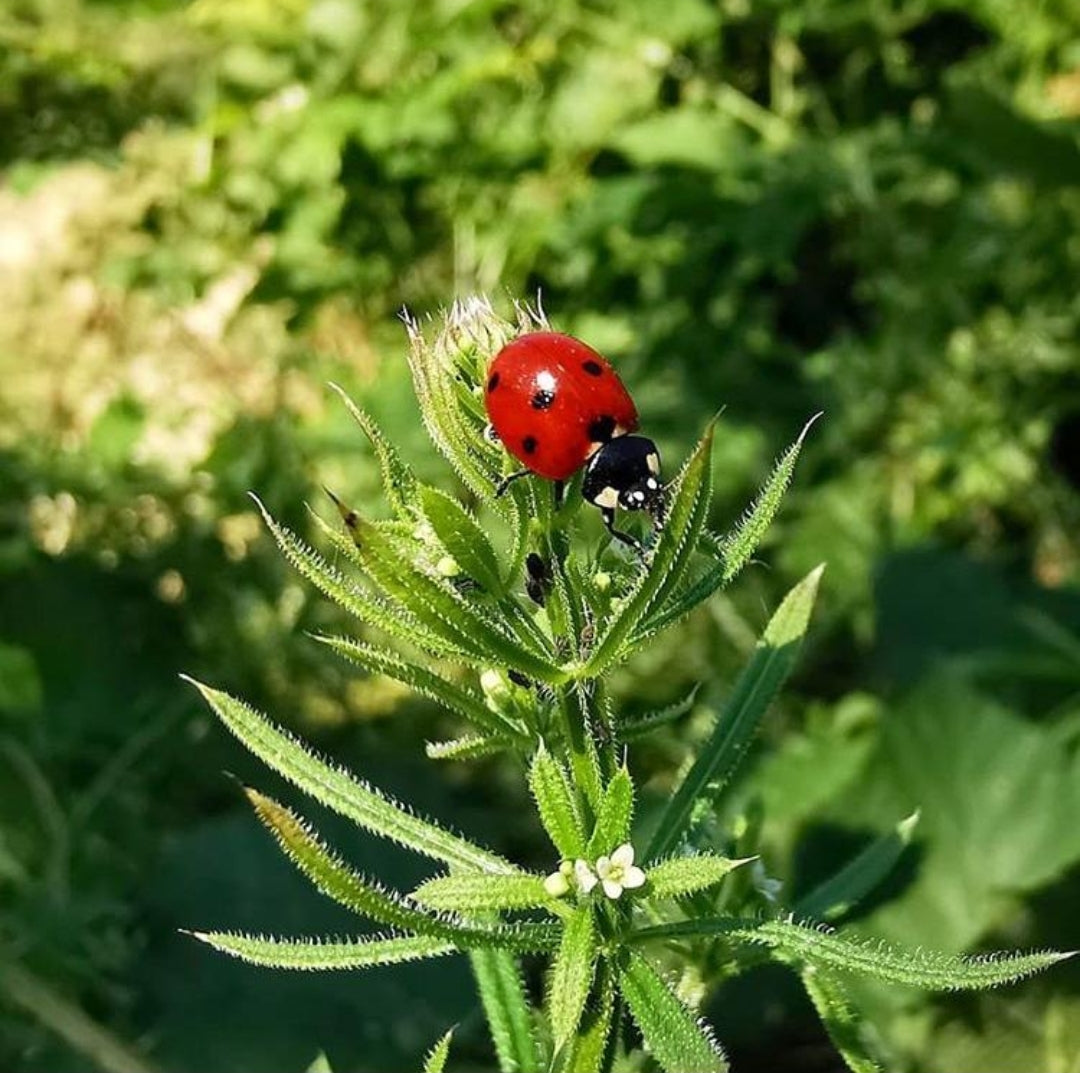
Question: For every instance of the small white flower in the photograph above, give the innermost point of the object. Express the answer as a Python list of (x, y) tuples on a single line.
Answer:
[(558, 883), (585, 877), (618, 872)]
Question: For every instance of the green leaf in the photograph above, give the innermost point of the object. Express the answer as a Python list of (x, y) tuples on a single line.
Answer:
[(342, 792), (997, 794), (443, 610), (502, 993), (680, 876), (925, 969), (572, 974), (557, 805), (754, 691), (632, 729), (462, 537), (739, 545), (337, 880), (837, 895), (584, 1051), (464, 702), (397, 622), (399, 484), (468, 747), (435, 1061), (613, 816), (679, 1041), (471, 893), (850, 1035), (816, 945), (674, 548), (321, 1064), (320, 955), (733, 551)]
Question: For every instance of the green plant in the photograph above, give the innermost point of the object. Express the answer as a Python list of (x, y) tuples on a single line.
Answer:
[(643, 942)]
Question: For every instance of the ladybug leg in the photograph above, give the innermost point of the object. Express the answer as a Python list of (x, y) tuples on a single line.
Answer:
[(608, 514), (560, 488), (509, 480)]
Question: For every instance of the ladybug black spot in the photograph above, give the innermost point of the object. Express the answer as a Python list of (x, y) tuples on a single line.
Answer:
[(493, 383), (542, 400), (529, 444), (593, 368), (601, 428)]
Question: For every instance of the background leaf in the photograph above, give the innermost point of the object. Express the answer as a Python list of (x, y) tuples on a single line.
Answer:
[(736, 726)]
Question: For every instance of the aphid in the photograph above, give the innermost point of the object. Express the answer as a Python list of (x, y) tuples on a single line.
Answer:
[(557, 406), (537, 578)]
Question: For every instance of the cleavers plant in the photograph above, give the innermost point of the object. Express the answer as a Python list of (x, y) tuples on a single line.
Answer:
[(634, 928)]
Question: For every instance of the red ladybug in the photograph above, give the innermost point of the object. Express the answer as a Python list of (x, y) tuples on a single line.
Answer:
[(557, 405)]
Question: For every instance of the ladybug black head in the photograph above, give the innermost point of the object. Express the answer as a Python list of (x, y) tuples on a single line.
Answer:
[(625, 473)]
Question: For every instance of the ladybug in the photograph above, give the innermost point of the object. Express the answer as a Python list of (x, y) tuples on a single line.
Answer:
[(557, 405)]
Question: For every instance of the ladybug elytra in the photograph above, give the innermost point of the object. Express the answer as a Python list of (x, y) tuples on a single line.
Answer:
[(557, 405)]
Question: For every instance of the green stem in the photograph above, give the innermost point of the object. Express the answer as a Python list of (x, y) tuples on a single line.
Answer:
[(581, 752), (80, 1032), (507, 1010)]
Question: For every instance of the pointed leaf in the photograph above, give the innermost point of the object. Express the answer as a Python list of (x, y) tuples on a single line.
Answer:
[(571, 974), (368, 898), (365, 607), (675, 546), (680, 876), (850, 1035), (928, 970), (399, 484), (613, 816), (463, 538), (733, 551), (678, 1040), (472, 893), (740, 545), (834, 897), (502, 993), (468, 747), (464, 702), (754, 691), (632, 729), (342, 792), (320, 955), (435, 1061), (557, 805), (817, 945)]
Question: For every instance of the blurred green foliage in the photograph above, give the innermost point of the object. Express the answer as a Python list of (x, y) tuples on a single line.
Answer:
[(869, 207)]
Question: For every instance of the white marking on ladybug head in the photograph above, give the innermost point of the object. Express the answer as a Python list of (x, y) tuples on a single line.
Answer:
[(607, 498), (651, 484), (652, 460)]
